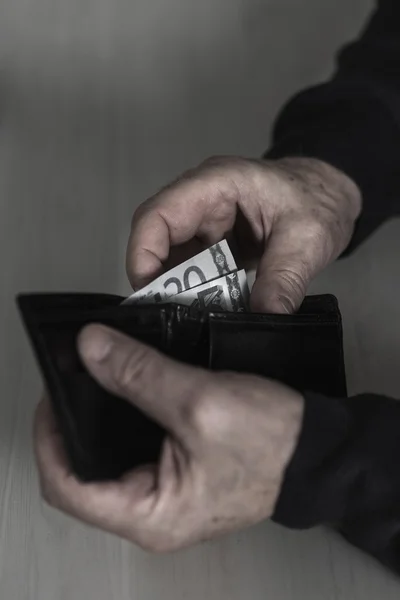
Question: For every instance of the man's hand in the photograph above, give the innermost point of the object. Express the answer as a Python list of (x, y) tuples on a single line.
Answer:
[(230, 438), (290, 218)]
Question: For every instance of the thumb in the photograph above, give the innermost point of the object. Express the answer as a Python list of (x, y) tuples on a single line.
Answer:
[(292, 258), (159, 386)]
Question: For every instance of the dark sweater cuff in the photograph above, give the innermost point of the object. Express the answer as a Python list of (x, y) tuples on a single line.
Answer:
[(346, 127), (309, 496), (345, 472)]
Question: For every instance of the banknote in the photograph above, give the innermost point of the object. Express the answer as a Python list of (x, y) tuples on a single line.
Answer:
[(229, 294), (210, 264)]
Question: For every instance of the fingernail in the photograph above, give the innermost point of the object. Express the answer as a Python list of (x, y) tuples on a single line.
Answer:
[(95, 343)]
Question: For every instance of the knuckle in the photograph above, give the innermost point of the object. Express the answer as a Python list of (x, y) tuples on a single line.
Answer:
[(334, 224), (233, 165), (314, 228), (194, 410), (140, 211), (48, 494), (215, 161), (324, 233), (132, 368), (234, 162), (205, 412), (161, 547), (190, 177), (158, 544), (314, 237)]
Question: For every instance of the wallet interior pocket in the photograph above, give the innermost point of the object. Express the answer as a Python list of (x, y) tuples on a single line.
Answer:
[(303, 351)]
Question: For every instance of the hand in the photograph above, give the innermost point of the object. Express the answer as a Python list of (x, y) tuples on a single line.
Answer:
[(230, 439), (289, 217)]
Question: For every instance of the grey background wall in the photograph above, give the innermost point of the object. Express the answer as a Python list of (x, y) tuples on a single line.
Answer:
[(101, 102)]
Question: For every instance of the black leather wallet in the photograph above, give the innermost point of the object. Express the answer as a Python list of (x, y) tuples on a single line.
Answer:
[(104, 436)]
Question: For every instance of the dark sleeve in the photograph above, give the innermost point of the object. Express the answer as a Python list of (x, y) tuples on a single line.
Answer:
[(353, 121), (345, 472)]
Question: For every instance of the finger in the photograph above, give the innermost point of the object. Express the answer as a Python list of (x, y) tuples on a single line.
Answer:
[(117, 507), (162, 388), (295, 253), (199, 205)]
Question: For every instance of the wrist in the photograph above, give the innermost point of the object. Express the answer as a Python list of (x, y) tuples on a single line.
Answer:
[(335, 187)]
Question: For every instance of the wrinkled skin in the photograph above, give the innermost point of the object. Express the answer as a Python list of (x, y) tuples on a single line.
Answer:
[(230, 436), (289, 218), (221, 468)]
